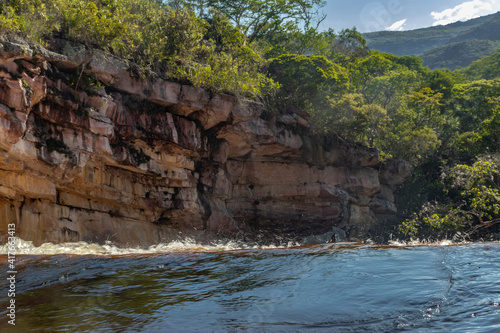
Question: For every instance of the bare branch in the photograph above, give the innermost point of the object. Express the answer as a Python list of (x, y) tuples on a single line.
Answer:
[(483, 225)]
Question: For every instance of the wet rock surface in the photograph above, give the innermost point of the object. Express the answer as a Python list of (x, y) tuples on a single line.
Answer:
[(105, 155)]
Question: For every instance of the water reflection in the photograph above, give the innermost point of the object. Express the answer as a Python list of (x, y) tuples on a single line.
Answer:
[(335, 287)]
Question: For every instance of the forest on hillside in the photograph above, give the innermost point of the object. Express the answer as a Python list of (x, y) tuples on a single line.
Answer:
[(449, 46), (445, 123)]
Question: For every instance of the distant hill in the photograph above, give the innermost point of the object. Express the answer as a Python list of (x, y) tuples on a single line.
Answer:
[(489, 30), (438, 45), (460, 54), (486, 68)]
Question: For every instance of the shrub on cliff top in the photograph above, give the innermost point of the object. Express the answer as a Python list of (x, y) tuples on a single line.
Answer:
[(32, 19), (96, 23), (169, 40), (303, 77)]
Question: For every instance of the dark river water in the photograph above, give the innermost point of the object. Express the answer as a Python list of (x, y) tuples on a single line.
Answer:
[(341, 287)]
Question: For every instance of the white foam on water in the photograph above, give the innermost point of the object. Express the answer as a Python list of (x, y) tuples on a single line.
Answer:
[(23, 247), (418, 242)]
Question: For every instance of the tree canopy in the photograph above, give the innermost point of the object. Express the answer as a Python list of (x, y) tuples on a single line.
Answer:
[(256, 18)]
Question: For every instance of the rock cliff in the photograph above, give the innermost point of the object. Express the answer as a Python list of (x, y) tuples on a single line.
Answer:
[(93, 150)]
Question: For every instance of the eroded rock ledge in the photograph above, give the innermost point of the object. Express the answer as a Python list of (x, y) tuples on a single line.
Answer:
[(106, 155)]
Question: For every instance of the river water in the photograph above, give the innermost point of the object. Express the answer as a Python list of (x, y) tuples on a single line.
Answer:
[(341, 287)]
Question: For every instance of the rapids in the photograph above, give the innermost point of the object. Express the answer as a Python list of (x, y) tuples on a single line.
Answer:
[(184, 287)]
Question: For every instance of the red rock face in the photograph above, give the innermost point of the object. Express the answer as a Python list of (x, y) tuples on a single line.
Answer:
[(140, 162)]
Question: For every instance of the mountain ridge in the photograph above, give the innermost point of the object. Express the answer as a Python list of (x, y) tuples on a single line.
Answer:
[(431, 40)]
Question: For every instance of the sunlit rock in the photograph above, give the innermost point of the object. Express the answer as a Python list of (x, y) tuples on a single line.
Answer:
[(140, 161)]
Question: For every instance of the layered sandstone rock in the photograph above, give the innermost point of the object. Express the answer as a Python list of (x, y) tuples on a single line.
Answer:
[(105, 155)]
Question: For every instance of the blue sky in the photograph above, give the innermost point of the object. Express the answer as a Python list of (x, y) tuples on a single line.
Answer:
[(370, 15)]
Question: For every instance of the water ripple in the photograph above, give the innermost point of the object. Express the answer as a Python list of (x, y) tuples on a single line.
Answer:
[(324, 288)]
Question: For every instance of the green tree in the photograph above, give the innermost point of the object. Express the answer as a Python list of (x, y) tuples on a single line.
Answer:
[(349, 45), (364, 70), (256, 18), (414, 128), (476, 205), (31, 19), (442, 81), (349, 117), (303, 77), (388, 89), (485, 68), (97, 24), (424, 108), (474, 102), (297, 41)]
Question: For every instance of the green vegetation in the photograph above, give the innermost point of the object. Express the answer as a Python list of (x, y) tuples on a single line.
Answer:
[(302, 78), (450, 46), (460, 54), (472, 206), (486, 68), (173, 41), (442, 122), (258, 19)]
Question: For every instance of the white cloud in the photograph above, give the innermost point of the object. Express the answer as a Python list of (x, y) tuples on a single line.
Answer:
[(466, 11), (397, 26)]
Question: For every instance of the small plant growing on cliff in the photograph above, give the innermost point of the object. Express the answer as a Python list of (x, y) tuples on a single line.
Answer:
[(26, 86), (384, 157), (88, 81), (83, 111)]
